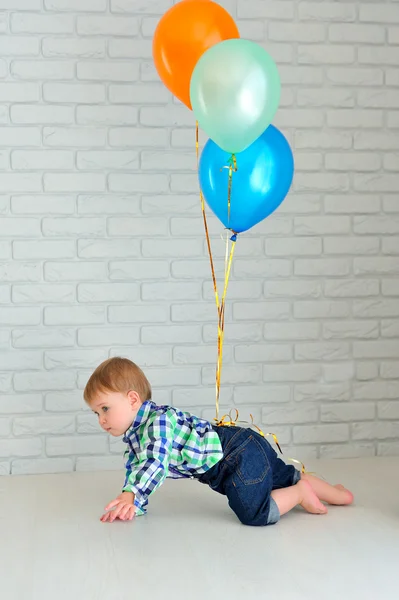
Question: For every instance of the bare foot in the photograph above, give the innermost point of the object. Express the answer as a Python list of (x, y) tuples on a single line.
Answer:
[(347, 496), (308, 499)]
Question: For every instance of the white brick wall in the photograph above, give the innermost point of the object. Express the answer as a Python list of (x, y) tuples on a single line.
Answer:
[(101, 240)]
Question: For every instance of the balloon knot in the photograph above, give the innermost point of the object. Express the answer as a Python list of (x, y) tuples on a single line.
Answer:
[(234, 237)]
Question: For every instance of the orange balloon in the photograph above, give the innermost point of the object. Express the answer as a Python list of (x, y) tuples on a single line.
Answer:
[(184, 33)]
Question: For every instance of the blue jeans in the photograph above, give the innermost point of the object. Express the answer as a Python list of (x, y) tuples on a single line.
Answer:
[(248, 472)]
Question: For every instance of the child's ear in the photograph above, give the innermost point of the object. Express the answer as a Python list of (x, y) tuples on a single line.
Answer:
[(134, 399)]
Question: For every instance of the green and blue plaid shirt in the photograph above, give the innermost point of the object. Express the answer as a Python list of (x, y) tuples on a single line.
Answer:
[(166, 442)]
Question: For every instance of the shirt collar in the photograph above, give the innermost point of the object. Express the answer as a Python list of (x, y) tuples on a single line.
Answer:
[(139, 419)]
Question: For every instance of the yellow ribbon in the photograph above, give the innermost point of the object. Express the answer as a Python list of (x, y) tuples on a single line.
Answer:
[(228, 421)]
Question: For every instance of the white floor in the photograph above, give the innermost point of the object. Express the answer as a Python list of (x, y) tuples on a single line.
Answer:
[(190, 545)]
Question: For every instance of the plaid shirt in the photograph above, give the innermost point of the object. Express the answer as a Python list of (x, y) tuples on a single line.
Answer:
[(166, 442)]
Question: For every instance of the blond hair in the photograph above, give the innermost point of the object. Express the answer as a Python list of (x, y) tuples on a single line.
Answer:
[(117, 375)]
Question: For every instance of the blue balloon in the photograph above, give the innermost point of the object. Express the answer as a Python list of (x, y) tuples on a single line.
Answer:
[(263, 178)]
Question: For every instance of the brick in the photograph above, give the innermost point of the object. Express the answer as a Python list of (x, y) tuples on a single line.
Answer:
[(292, 289), (261, 394), (18, 46), (173, 334), (5, 427), (75, 271), (390, 329), (299, 75), (347, 288), (141, 314), (358, 34), (74, 182), (366, 371), (382, 225), (106, 115), (119, 226), (390, 204), (352, 162), (65, 402), (42, 425), (104, 248), (171, 291), (328, 182), (73, 227), (37, 160), (43, 293), (373, 266), (390, 287), (249, 30), (375, 430), (6, 380), (15, 136), (327, 11), (320, 433), (74, 93), (322, 140), (40, 466), (150, 161), (295, 32), (173, 377), (75, 315), (31, 114), (376, 308), (232, 375), (376, 390), (139, 93), (376, 349), (262, 268), (352, 245), (39, 23), (193, 398), (348, 450), (378, 99), (393, 35), (20, 404), (87, 423), (71, 359), (145, 356), (101, 463), (378, 55), (356, 77), (20, 448), (43, 249), (203, 312), (314, 54), (289, 415), (14, 315), (328, 97), (107, 25), (388, 410), (198, 269), (166, 116), (108, 336), (249, 9), (138, 270), (128, 137), (382, 141), (262, 353), (293, 246), (43, 338), (350, 329), (42, 70), (355, 119), (391, 162), (352, 204), (309, 161), (293, 372), (128, 48), (44, 381), (338, 372), (111, 292), (19, 227), (375, 13), (20, 5), (81, 137), (326, 351), (388, 449), (76, 5), (21, 182), (291, 331), (107, 204), (171, 248), (147, 183), (107, 71), (4, 294), (327, 267), (199, 355), (70, 445)]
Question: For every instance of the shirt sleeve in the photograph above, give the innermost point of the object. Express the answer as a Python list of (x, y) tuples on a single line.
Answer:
[(147, 468)]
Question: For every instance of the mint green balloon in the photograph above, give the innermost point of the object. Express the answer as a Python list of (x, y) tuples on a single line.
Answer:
[(235, 93)]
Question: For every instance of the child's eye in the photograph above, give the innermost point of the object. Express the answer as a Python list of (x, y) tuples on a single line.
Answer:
[(105, 408)]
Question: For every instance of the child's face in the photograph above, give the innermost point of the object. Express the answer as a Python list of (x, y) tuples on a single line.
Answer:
[(116, 412)]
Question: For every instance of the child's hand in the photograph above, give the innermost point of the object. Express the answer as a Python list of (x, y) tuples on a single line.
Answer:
[(121, 508)]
